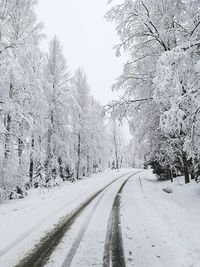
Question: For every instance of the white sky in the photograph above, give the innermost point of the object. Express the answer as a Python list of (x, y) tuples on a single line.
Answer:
[(87, 39)]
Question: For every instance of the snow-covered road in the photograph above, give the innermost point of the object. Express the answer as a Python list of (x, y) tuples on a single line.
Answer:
[(24, 222), (158, 229), (89, 241), (155, 229)]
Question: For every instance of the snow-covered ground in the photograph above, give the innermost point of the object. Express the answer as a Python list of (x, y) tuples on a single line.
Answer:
[(90, 251), (160, 229), (24, 222)]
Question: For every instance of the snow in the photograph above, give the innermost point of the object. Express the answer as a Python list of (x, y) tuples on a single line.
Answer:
[(24, 222), (158, 229), (161, 229), (197, 66), (90, 252)]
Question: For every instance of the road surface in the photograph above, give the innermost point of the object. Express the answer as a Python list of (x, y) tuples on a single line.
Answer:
[(83, 223), (129, 221)]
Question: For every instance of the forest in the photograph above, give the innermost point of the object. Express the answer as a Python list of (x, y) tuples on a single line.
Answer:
[(161, 82), (51, 127), (99, 133)]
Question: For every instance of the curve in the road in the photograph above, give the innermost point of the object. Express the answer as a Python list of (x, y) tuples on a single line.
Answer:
[(113, 251), (30, 231), (72, 252), (40, 255)]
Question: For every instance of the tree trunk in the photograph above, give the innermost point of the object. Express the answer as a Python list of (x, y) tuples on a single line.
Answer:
[(186, 168), (7, 141), (171, 175), (49, 154), (20, 141), (192, 173), (78, 156), (48, 166), (88, 165), (60, 162), (7, 123), (121, 162), (116, 155), (31, 167)]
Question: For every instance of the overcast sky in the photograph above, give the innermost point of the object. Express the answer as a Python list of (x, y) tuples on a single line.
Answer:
[(87, 39)]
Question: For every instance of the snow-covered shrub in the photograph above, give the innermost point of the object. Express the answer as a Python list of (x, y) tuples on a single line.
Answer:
[(3, 195), (162, 173), (18, 193)]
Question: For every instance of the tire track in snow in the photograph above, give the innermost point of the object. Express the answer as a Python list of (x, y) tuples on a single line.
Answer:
[(68, 260), (42, 252), (30, 231), (114, 251)]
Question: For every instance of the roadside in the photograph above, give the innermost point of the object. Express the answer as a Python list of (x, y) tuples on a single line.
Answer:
[(161, 229)]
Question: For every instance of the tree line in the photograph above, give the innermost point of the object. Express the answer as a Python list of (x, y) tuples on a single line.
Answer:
[(161, 81), (51, 128)]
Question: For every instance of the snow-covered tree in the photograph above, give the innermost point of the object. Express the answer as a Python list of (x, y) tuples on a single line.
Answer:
[(80, 120), (88, 128), (51, 128), (56, 86), (18, 32), (97, 142), (116, 144), (161, 78)]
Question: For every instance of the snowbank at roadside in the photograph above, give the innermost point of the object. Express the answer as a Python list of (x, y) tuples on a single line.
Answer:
[(185, 195), (161, 229)]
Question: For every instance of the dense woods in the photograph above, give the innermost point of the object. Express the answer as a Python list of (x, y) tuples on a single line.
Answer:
[(51, 128), (113, 182), (161, 81)]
